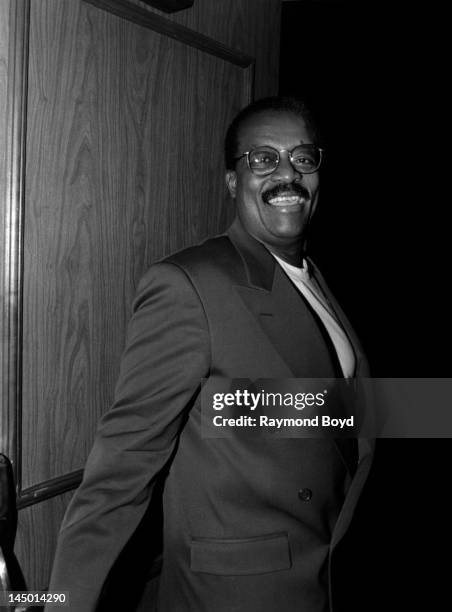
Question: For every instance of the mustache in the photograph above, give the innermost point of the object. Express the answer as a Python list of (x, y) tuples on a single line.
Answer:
[(291, 189)]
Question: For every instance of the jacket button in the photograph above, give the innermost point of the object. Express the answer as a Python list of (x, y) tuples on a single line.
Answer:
[(305, 494)]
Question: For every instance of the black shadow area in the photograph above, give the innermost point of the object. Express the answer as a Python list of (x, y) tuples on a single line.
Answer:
[(375, 75)]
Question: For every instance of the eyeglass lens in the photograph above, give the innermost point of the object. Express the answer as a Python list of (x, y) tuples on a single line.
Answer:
[(305, 158)]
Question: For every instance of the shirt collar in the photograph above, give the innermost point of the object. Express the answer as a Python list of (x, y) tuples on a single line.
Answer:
[(302, 271)]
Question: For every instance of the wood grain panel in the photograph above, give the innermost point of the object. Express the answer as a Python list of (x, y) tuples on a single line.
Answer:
[(132, 12), (124, 165), (37, 533), (123, 159), (250, 26)]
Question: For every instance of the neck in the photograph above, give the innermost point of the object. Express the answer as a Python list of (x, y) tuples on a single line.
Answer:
[(292, 255)]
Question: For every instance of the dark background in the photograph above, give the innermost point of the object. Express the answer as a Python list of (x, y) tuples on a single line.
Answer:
[(374, 75)]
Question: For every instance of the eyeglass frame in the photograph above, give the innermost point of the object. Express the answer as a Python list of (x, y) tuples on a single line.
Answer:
[(247, 153)]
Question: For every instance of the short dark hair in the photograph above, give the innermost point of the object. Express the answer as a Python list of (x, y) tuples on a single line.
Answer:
[(278, 104)]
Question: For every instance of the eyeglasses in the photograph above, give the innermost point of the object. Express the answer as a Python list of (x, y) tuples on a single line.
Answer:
[(305, 159)]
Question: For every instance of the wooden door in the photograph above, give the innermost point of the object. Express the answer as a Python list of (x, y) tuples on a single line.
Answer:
[(115, 121)]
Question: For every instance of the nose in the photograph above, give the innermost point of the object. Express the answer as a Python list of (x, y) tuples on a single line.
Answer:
[(285, 172)]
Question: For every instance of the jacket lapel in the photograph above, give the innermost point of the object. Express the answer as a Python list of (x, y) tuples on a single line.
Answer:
[(259, 263), (276, 304), (271, 297)]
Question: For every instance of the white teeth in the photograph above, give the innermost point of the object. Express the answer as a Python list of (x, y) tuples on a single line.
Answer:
[(285, 200)]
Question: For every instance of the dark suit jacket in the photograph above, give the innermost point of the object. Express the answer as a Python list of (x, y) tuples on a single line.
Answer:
[(237, 535)]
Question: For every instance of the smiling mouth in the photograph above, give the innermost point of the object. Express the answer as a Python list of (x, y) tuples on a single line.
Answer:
[(285, 200)]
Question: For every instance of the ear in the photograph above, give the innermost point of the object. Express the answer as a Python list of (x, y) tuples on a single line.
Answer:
[(231, 182)]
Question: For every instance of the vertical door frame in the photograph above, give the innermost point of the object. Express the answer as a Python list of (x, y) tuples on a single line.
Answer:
[(13, 205)]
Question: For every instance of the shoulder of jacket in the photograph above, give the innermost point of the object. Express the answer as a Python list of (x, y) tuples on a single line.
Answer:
[(193, 262), (210, 267), (211, 251), (211, 260)]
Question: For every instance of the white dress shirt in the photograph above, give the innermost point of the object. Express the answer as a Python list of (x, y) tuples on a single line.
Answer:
[(307, 285)]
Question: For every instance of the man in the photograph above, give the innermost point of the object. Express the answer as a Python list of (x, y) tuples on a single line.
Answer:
[(249, 522)]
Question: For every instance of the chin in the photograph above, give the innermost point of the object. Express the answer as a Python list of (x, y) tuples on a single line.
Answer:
[(289, 232)]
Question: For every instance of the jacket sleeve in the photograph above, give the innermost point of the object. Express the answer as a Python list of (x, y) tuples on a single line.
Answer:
[(167, 353)]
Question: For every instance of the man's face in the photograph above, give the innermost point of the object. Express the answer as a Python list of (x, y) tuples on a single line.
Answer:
[(276, 208)]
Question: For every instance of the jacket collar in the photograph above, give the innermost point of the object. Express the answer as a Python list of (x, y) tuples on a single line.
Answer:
[(259, 262)]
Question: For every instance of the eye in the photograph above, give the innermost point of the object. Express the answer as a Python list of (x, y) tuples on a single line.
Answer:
[(262, 157), (303, 160)]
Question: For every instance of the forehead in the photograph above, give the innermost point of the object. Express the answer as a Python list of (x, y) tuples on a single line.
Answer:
[(279, 129)]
